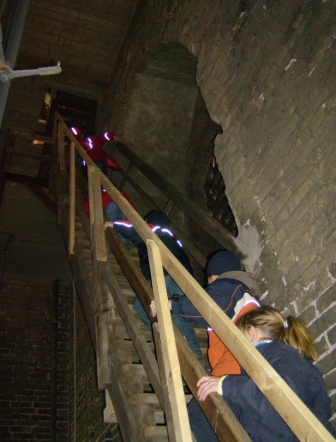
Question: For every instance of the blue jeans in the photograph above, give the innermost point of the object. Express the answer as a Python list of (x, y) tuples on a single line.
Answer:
[(113, 212), (199, 424), (185, 327)]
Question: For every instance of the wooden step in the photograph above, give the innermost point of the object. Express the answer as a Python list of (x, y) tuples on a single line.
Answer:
[(157, 433)]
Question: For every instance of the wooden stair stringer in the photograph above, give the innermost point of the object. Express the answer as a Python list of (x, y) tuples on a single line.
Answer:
[(127, 410)]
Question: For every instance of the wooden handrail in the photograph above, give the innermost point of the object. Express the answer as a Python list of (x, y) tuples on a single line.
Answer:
[(294, 412), (215, 408)]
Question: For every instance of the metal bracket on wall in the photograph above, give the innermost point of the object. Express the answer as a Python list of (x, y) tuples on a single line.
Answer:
[(7, 73)]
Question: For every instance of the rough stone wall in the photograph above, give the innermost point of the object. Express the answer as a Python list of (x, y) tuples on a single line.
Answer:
[(267, 78)]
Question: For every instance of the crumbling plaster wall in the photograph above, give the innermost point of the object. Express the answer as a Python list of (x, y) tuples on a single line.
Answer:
[(267, 76)]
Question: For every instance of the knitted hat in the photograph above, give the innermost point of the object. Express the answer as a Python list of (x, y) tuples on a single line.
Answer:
[(158, 218), (221, 262)]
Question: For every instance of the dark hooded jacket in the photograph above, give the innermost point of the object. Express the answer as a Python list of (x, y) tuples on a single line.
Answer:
[(259, 418), (234, 297), (159, 223)]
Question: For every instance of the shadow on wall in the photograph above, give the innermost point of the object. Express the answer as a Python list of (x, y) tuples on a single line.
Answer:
[(169, 126)]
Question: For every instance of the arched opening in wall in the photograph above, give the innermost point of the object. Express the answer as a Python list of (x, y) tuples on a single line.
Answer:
[(169, 127)]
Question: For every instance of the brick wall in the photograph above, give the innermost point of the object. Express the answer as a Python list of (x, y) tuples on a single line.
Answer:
[(266, 74), (27, 350), (47, 393), (86, 401)]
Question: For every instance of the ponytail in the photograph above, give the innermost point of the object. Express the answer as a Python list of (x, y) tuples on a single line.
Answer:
[(290, 331), (299, 337)]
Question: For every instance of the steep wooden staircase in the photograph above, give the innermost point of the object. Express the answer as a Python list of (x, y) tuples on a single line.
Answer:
[(147, 379)]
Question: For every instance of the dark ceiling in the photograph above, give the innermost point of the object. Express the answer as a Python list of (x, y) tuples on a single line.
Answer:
[(86, 37)]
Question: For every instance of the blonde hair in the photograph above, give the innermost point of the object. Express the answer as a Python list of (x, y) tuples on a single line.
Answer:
[(291, 331)]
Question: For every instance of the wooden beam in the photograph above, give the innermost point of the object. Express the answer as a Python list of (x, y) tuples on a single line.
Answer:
[(168, 207), (28, 154), (132, 272), (209, 224), (170, 373), (32, 136), (127, 178), (96, 215), (72, 200), (195, 253), (60, 150), (42, 196), (19, 178), (141, 345), (84, 297), (99, 257)]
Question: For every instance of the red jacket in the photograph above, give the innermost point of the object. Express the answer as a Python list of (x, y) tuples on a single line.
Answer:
[(94, 147)]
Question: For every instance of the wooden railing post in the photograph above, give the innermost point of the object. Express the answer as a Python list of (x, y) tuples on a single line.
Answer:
[(61, 142), (169, 367), (99, 256), (72, 201), (54, 156)]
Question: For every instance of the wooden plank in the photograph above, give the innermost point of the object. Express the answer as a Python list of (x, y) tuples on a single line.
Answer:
[(104, 321), (209, 224), (168, 207), (126, 174), (132, 272), (126, 177), (84, 298), (170, 373), (109, 411), (123, 417), (99, 256), (61, 159), (145, 353), (196, 254), (32, 136), (19, 178), (27, 154), (72, 201), (96, 216)]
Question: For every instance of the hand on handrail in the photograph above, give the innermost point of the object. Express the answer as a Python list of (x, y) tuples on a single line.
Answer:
[(207, 385), (108, 224), (153, 307)]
